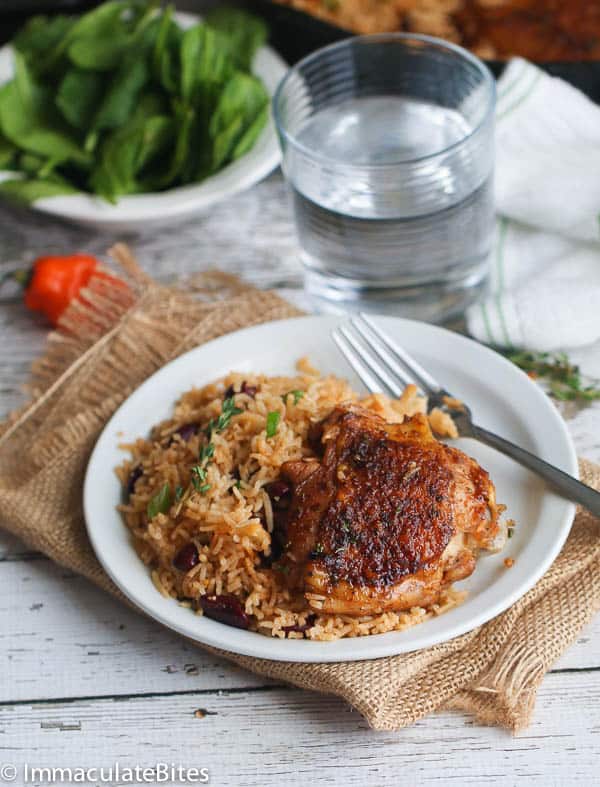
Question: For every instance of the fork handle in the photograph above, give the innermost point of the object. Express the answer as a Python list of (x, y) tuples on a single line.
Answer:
[(561, 482)]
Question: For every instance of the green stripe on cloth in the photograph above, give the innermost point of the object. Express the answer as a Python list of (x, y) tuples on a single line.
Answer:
[(506, 89), (507, 341), (486, 321), (500, 278), (510, 109)]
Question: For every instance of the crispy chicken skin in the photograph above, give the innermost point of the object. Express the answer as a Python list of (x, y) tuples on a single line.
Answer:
[(387, 519)]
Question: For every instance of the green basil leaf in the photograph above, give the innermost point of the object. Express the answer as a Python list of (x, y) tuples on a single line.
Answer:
[(225, 142), (99, 54), (242, 102), (246, 33), (166, 27), (248, 139), (29, 191), (122, 94), (151, 103), (30, 164), (27, 118), (157, 136), (101, 48), (78, 95), (183, 125), (126, 151), (160, 503), (165, 56), (40, 35), (8, 153), (206, 65), (97, 23)]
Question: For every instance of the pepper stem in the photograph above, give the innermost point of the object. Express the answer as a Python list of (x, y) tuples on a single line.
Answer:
[(21, 275)]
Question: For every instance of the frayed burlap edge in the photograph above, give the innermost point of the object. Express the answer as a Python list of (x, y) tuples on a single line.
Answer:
[(112, 342)]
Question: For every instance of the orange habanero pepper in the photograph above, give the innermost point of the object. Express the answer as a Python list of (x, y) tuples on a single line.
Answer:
[(54, 281)]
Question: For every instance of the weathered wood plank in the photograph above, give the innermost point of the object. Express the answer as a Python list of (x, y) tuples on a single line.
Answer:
[(285, 735), (12, 548), (62, 637), (584, 427), (23, 336)]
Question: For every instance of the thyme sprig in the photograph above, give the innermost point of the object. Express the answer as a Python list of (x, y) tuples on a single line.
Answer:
[(228, 410), (207, 451), (564, 378), (199, 479)]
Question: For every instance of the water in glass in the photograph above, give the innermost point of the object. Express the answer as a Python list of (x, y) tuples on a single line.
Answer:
[(366, 245)]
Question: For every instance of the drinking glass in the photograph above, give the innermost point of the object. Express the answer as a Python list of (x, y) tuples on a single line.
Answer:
[(388, 150)]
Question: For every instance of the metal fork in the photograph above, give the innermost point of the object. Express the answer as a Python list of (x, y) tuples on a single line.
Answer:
[(382, 365)]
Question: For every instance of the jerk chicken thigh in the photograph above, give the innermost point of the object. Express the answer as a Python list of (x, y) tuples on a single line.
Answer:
[(388, 517)]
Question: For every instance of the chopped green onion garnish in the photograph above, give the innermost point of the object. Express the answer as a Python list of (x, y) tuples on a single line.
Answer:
[(273, 419), (228, 410), (160, 503), (296, 394)]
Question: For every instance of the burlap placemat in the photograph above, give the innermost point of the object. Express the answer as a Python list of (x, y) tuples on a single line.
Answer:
[(105, 349)]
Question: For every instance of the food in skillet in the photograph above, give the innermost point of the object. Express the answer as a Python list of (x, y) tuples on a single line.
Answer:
[(540, 30), (294, 508)]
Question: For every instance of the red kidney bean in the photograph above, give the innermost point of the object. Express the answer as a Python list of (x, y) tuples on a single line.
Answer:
[(187, 431), (249, 390), (245, 388), (300, 628), (226, 609), (134, 476), (187, 557)]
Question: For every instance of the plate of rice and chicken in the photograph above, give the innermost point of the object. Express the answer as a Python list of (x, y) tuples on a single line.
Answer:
[(252, 496)]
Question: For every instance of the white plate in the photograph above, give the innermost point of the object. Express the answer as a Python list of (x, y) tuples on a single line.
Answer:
[(136, 211), (502, 398)]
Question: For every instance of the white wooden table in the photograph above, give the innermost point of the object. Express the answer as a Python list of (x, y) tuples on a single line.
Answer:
[(86, 682)]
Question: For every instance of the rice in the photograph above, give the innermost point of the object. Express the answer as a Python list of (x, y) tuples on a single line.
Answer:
[(227, 515)]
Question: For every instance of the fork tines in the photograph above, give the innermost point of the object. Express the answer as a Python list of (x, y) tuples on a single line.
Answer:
[(381, 364)]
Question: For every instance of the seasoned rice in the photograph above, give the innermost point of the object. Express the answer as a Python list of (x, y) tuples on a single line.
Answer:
[(230, 521)]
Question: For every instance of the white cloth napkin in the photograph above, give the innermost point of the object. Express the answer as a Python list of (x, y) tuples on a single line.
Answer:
[(545, 282)]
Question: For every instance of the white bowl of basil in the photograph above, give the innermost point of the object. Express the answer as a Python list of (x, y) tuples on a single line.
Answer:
[(129, 115)]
